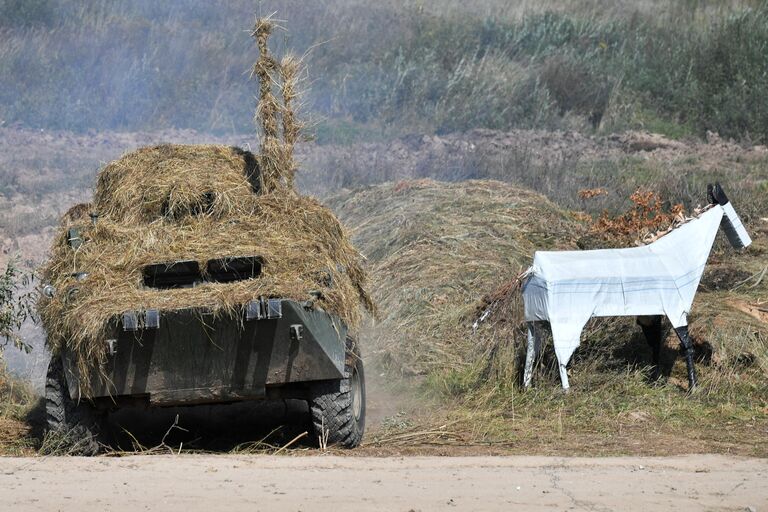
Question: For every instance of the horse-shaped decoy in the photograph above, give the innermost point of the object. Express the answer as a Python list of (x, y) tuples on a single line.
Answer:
[(567, 288)]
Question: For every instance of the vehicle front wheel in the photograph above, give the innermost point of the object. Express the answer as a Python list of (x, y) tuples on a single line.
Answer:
[(338, 406), (72, 426)]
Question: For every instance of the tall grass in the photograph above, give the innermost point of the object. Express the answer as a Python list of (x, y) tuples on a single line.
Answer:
[(392, 67)]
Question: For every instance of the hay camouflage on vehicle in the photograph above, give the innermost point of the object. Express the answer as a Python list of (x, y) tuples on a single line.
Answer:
[(198, 274)]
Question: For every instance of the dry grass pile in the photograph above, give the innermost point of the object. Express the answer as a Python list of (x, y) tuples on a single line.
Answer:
[(439, 247), (171, 203)]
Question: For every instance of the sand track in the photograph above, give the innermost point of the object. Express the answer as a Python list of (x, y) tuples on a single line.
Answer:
[(208, 482)]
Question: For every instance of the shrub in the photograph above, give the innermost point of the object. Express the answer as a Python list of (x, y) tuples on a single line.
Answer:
[(15, 308)]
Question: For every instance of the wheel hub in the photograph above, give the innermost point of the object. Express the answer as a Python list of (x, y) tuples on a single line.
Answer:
[(357, 399)]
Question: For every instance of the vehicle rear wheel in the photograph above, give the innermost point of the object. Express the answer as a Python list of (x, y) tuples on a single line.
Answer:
[(338, 406), (73, 427)]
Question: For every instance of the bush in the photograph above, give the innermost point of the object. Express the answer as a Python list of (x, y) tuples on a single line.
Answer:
[(14, 308), (730, 68)]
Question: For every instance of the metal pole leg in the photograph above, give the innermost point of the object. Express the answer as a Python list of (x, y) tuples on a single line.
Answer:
[(564, 378), (530, 355), (687, 344), (652, 329)]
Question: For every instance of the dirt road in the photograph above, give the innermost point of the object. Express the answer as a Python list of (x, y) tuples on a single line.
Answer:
[(208, 482)]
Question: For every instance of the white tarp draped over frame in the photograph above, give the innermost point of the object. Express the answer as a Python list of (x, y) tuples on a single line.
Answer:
[(566, 288)]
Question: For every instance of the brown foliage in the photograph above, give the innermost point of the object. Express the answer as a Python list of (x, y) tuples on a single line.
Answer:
[(644, 222), (589, 193)]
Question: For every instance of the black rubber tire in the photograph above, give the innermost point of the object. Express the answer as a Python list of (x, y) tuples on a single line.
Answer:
[(338, 406), (76, 425)]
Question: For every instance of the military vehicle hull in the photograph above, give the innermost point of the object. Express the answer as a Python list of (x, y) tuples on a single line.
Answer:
[(191, 356)]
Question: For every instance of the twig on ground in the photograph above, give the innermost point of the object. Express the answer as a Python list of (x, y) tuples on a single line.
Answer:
[(758, 276), (285, 446)]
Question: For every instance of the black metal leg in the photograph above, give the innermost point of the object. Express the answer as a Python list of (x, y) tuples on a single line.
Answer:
[(687, 345), (652, 331)]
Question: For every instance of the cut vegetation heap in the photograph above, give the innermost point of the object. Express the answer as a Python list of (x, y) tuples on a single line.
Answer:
[(170, 203)]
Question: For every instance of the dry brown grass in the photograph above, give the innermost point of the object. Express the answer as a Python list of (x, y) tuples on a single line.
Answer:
[(16, 402), (436, 249)]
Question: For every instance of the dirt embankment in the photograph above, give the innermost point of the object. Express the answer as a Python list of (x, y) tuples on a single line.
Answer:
[(515, 155), (45, 172)]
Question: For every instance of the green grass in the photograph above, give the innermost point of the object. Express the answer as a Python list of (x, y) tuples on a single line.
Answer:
[(651, 121), (391, 68), (613, 408)]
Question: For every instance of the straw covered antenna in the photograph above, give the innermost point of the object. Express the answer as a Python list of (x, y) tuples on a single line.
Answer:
[(278, 167)]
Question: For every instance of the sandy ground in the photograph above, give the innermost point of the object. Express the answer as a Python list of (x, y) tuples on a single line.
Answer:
[(225, 482)]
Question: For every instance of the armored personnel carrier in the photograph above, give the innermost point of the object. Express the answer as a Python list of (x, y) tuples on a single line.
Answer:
[(183, 283), (198, 275)]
